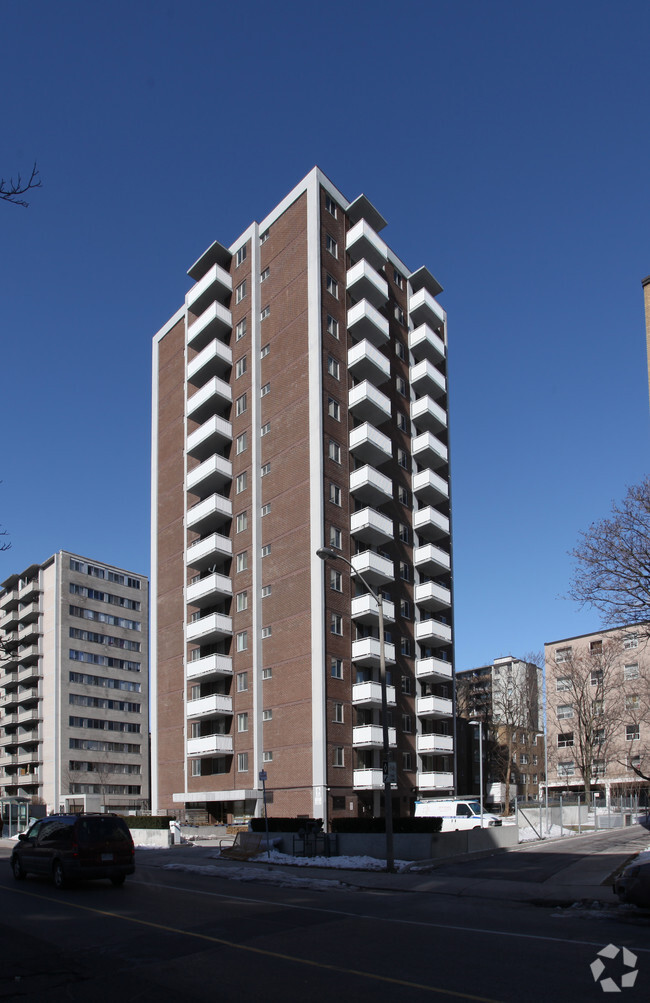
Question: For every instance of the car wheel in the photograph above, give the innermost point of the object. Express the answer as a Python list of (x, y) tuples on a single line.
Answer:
[(17, 868), (118, 880), (59, 875)]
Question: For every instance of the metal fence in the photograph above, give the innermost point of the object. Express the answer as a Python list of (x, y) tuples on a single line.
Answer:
[(575, 814)]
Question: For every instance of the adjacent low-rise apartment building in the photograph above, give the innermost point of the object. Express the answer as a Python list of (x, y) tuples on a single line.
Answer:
[(74, 685), (598, 713)]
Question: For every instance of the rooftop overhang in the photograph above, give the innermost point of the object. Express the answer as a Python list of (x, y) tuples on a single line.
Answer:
[(362, 208), (422, 278), (216, 253)]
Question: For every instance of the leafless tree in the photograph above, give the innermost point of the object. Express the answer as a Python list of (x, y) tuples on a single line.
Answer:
[(612, 572), (10, 191), (515, 702)]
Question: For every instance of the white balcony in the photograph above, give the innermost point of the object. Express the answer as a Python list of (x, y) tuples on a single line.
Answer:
[(211, 706), (426, 344), (368, 694), (214, 322), (29, 590), (375, 569), (367, 363), (361, 241), (433, 707), (430, 524), (424, 309), (214, 549), (368, 780), (364, 609), (427, 381), (371, 526), (214, 396), (216, 284), (214, 360), (428, 451), (210, 512), (431, 596), (435, 781), (209, 744), (370, 487), (370, 445), (209, 629), (428, 745), (209, 667), (209, 437), (368, 403), (364, 282), (427, 415), (208, 591), (365, 321), (370, 736), (432, 631), (431, 559), (433, 670), (429, 487), (366, 651), (31, 715), (210, 476)]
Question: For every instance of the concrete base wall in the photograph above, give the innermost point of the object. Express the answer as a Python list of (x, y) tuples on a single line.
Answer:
[(417, 846), (151, 837)]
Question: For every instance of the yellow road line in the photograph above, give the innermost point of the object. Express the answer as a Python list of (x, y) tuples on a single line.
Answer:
[(262, 951)]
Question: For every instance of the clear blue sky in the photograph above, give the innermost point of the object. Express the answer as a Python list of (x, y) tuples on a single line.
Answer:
[(506, 143)]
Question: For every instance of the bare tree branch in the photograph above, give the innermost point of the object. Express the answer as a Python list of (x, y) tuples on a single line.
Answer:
[(10, 190)]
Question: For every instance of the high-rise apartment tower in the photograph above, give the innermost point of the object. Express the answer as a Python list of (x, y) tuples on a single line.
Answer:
[(300, 401)]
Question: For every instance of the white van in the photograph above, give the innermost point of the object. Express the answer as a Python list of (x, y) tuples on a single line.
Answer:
[(456, 813)]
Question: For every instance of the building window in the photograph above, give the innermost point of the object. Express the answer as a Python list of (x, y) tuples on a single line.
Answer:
[(563, 655), (404, 533), (404, 571), (523, 759), (265, 470), (265, 274), (264, 237), (333, 367), (632, 733), (242, 561), (241, 442), (240, 405), (267, 673), (336, 668), (407, 761), (407, 724), (242, 522), (196, 767), (267, 631), (564, 711), (596, 677), (331, 245), (267, 757), (333, 408), (267, 715), (332, 326), (266, 389), (566, 769), (563, 683), (240, 367), (406, 685), (336, 580), (264, 351), (266, 591), (338, 756), (242, 682), (631, 641), (242, 640), (334, 451), (631, 671), (266, 509), (330, 205), (335, 494), (338, 713), (405, 609), (265, 429), (595, 647), (240, 329), (241, 254), (401, 422), (403, 458), (265, 312), (336, 624), (332, 286), (598, 768), (399, 314), (241, 482), (242, 762), (335, 538), (403, 496), (400, 383), (397, 279), (266, 550), (242, 601), (240, 291)]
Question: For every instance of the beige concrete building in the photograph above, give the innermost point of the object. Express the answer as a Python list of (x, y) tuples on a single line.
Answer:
[(598, 712), (74, 685), (300, 400)]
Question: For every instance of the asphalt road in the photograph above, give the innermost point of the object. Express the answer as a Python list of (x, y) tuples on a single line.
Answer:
[(188, 936)]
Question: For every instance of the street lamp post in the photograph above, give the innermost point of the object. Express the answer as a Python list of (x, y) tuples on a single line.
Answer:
[(326, 553), (542, 734), (479, 725)]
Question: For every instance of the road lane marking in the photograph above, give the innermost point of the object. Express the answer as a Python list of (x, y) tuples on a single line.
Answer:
[(278, 955)]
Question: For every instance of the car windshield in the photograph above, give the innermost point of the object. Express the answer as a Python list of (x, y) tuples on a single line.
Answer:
[(475, 806), (102, 830)]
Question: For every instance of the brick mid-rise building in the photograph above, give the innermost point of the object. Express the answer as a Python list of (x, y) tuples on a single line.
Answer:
[(300, 400)]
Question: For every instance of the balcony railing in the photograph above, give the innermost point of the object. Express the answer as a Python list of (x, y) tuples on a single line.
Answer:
[(424, 309), (433, 631), (214, 705), (215, 321), (368, 694), (209, 628), (428, 415), (435, 744), (371, 526), (431, 596), (215, 284), (364, 609), (367, 362), (429, 487), (430, 524), (365, 321), (209, 744), (209, 437), (431, 559), (370, 445), (213, 511), (433, 706), (374, 568), (371, 736), (435, 781), (368, 780), (424, 343), (212, 474), (427, 381), (368, 403), (361, 241), (366, 651), (364, 282), (369, 486), (209, 590), (428, 451), (208, 667)]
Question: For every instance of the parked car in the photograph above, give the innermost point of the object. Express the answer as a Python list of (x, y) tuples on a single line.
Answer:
[(75, 847), (633, 885), (456, 813)]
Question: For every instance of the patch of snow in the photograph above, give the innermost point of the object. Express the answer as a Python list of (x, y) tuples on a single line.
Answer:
[(281, 879), (527, 833)]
